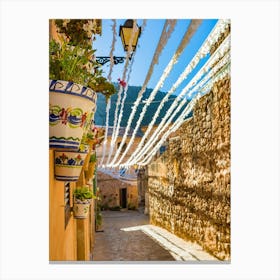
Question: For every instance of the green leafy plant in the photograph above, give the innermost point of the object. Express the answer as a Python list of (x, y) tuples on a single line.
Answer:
[(92, 158), (71, 63), (75, 64), (83, 193), (85, 141), (103, 86), (89, 136), (98, 216)]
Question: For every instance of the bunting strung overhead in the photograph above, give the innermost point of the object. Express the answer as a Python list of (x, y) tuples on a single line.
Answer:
[(187, 36), (165, 35), (159, 130), (125, 85), (177, 124), (108, 102), (216, 67), (220, 52), (128, 54)]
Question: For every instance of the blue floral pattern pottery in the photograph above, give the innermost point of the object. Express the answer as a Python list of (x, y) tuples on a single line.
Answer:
[(68, 165), (71, 110)]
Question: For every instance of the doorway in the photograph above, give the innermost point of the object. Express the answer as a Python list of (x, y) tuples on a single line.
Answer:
[(123, 198)]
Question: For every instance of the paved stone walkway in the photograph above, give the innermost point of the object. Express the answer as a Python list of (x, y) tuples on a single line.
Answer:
[(128, 236)]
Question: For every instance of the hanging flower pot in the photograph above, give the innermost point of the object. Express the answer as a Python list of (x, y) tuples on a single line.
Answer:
[(71, 110), (68, 165), (82, 199), (81, 209)]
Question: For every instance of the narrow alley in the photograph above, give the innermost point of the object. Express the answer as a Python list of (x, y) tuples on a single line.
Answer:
[(119, 145), (127, 236)]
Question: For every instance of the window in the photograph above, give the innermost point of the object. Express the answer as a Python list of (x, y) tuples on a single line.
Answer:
[(67, 207)]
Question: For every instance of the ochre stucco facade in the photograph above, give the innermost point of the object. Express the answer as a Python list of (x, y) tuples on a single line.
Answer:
[(76, 240)]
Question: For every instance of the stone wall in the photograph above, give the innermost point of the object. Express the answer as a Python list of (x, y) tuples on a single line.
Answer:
[(189, 185), (142, 181), (110, 191)]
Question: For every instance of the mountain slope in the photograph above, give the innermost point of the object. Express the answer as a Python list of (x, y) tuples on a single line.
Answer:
[(132, 93)]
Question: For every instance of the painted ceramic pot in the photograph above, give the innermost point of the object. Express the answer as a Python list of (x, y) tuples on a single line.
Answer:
[(68, 165), (71, 110), (81, 209)]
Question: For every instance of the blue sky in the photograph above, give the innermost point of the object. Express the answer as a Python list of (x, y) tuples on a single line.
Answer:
[(147, 44)]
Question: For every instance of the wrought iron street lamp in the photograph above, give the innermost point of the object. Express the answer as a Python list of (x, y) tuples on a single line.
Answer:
[(125, 32)]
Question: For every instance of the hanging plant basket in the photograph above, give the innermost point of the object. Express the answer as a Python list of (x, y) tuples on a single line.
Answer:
[(81, 208), (68, 165), (72, 107), (82, 198)]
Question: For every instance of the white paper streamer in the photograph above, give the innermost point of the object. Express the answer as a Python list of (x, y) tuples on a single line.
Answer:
[(167, 30), (122, 103), (114, 136), (210, 40), (187, 36), (160, 129), (219, 28), (104, 147), (201, 53), (108, 104), (114, 29), (178, 123)]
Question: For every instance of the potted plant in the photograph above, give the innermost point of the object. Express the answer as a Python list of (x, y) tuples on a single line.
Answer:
[(91, 167), (98, 136), (72, 103), (87, 146), (104, 87), (79, 32), (68, 165), (74, 79), (82, 198)]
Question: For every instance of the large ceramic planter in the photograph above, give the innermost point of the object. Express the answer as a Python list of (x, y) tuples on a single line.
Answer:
[(81, 208), (68, 165), (72, 107)]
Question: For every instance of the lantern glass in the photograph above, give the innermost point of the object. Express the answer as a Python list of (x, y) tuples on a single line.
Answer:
[(126, 33)]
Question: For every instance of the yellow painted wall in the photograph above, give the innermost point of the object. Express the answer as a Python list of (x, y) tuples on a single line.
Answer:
[(62, 242), (76, 241), (65, 243)]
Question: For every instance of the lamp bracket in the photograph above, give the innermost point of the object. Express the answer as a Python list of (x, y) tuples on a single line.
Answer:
[(104, 59)]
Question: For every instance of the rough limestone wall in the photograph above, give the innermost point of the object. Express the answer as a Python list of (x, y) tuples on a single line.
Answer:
[(192, 199), (110, 191)]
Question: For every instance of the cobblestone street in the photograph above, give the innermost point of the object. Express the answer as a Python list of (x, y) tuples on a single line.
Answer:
[(128, 236), (115, 244)]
